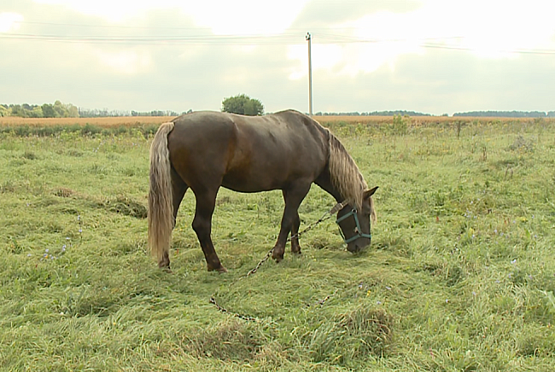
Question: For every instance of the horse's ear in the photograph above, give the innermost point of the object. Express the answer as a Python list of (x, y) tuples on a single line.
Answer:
[(369, 193)]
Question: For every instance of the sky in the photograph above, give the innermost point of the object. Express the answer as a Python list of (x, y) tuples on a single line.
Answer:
[(430, 56)]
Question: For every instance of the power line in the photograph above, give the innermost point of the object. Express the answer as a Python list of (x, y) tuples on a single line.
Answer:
[(508, 51), (287, 38), (191, 39)]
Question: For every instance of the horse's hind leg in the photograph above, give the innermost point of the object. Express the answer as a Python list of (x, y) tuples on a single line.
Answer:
[(202, 224), (179, 187)]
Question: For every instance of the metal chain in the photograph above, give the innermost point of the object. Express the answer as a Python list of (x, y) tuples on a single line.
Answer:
[(324, 217)]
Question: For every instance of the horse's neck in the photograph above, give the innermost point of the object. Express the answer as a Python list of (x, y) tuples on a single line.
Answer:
[(324, 181)]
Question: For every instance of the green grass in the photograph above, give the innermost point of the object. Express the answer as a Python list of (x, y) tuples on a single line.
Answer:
[(460, 275)]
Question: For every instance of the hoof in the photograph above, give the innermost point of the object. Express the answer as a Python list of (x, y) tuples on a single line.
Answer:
[(219, 269), (277, 258), (165, 267)]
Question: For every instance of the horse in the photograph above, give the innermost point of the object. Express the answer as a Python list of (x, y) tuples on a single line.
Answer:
[(285, 151)]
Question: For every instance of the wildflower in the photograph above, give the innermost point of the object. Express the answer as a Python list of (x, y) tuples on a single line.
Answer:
[(513, 261), (473, 293), (378, 302)]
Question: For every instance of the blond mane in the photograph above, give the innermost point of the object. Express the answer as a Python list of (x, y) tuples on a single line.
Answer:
[(345, 175)]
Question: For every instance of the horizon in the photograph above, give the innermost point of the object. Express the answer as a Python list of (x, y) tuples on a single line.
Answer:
[(104, 112)]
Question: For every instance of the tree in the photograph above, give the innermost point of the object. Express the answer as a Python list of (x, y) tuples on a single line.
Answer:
[(36, 112), (61, 111), (243, 105), (48, 111), (72, 110), (17, 110)]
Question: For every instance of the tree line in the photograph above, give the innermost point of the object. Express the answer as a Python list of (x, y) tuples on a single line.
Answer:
[(96, 113), (240, 104), (47, 110), (373, 113), (68, 110), (508, 114)]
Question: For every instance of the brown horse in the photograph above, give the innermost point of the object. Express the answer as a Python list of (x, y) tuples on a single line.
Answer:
[(287, 151)]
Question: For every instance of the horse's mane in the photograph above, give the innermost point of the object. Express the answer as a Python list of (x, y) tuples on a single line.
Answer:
[(345, 175)]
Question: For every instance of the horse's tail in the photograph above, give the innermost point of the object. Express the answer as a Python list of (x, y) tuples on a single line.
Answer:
[(160, 200)]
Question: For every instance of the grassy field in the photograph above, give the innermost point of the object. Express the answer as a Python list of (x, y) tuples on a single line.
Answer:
[(460, 275)]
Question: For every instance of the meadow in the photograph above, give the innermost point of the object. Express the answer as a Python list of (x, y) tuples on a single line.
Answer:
[(460, 275)]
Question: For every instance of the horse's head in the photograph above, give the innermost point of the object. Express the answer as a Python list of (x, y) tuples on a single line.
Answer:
[(355, 224)]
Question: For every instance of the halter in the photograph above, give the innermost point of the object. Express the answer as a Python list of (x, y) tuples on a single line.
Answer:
[(358, 233)]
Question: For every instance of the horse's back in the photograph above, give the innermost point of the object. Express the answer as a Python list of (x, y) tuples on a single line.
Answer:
[(248, 153)]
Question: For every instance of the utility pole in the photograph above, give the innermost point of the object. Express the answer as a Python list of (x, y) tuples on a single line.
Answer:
[(309, 39)]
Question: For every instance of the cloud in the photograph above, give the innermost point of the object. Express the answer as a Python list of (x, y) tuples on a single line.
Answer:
[(111, 10), (323, 13), (10, 21), (125, 61), (245, 16), (367, 56)]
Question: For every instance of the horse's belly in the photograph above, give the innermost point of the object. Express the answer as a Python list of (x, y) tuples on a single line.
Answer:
[(248, 182)]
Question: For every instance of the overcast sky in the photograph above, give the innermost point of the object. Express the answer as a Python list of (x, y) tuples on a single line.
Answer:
[(432, 56)]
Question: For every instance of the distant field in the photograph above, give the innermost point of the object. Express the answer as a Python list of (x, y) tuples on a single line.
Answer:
[(130, 121), (460, 275)]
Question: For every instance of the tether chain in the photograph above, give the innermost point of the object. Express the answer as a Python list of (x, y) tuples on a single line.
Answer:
[(324, 217)]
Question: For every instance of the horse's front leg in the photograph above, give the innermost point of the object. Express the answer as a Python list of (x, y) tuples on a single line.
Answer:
[(202, 224), (295, 246), (290, 221)]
